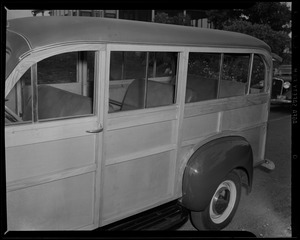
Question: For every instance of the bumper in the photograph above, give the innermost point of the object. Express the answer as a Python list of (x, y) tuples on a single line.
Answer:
[(280, 101), (266, 163)]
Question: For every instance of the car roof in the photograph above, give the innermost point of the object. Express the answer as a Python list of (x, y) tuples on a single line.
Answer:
[(40, 32)]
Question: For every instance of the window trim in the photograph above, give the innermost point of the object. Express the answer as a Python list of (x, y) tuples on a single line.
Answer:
[(147, 52), (37, 56), (249, 75), (250, 69)]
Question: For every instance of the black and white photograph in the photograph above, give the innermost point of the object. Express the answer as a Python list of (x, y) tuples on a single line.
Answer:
[(149, 119)]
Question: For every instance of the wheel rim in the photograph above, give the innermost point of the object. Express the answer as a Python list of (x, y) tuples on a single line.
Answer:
[(223, 202)]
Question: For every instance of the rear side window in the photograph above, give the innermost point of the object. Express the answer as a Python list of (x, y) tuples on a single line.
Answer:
[(258, 75), (141, 80), (203, 76), (235, 69), (222, 75)]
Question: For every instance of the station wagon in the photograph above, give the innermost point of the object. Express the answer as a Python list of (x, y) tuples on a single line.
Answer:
[(106, 119)]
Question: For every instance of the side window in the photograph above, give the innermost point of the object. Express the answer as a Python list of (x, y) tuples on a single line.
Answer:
[(141, 80), (234, 75), (63, 85), (258, 75), (203, 76), (60, 68)]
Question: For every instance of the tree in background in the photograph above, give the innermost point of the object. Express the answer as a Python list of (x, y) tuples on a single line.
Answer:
[(221, 17), (277, 40), (268, 21), (277, 15), (179, 19)]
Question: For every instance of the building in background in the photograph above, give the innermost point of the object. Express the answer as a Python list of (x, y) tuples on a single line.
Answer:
[(198, 17)]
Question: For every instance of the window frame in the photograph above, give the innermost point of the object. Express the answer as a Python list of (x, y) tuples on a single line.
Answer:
[(31, 59), (266, 87), (180, 50), (262, 54), (183, 53)]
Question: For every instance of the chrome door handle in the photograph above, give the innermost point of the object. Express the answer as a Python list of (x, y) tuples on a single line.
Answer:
[(95, 130)]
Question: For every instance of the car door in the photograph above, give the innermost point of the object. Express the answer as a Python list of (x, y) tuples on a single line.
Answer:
[(53, 139)]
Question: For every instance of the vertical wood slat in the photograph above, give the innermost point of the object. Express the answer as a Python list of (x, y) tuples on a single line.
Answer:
[(250, 73), (103, 90), (146, 81), (180, 100), (220, 74), (34, 92)]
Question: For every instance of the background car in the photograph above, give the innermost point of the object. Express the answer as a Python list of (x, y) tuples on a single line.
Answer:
[(281, 86)]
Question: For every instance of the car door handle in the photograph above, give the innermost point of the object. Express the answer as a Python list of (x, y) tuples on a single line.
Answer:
[(95, 130)]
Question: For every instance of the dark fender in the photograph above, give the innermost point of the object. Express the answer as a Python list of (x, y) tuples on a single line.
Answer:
[(209, 165)]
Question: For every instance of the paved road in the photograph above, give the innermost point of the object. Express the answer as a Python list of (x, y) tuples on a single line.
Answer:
[(266, 211)]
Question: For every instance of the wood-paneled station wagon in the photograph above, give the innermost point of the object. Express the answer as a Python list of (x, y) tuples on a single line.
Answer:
[(105, 119)]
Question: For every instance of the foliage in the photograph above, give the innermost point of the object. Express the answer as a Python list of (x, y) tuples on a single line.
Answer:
[(221, 17), (277, 40), (179, 19), (206, 65), (268, 21), (277, 15)]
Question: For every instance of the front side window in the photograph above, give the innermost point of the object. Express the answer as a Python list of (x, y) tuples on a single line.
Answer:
[(61, 86), (234, 75), (61, 68), (141, 80)]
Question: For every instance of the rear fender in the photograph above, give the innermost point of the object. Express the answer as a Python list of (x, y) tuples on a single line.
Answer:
[(208, 166)]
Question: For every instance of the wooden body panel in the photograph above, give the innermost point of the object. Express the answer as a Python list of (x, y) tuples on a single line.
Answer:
[(246, 118), (142, 139), (140, 161), (131, 186), (61, 205), (48, 157), (200, 126)]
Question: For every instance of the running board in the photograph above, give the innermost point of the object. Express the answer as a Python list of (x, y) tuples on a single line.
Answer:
[(165, 217)]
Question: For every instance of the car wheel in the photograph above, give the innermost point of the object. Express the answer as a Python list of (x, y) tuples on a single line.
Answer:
[(222, 207)]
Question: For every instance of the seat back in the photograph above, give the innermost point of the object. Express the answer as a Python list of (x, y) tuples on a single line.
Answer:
[(158, 94), (56, 103)]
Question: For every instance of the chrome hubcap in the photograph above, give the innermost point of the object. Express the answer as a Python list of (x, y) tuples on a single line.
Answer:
[(223, 201)]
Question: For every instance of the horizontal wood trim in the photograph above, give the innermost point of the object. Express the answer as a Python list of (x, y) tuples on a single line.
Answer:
[(221, 134), (218, 105), (141, 154), (144, 47), (141, 117), (182, 48), (37, 180), (18, 135)]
